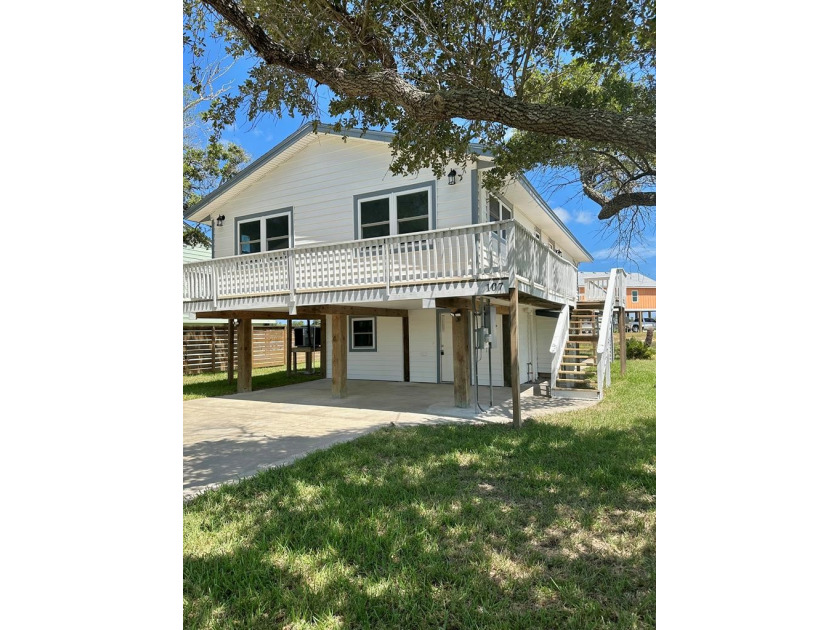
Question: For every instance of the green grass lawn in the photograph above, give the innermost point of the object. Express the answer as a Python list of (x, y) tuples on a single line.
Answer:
[(452, 526), (215, 384)]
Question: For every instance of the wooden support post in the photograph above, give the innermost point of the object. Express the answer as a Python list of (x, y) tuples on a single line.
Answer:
[(289, 366), (514, 354), (461, 356), (322, 352), (246, 334), (406, 364), (312, 345), (231, 346), (506, 350), (338, 323), (622, 340)]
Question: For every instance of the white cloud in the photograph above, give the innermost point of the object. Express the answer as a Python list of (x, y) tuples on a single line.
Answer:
[(564, 215), (581, 216)]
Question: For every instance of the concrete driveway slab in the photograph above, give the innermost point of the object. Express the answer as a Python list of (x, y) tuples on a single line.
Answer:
[(227, 438)]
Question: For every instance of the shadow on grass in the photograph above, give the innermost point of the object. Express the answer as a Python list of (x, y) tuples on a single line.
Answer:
[(448, 526)]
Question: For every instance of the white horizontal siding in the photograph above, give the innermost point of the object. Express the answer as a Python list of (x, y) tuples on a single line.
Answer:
[(545, 333), (527, 343), (386, 364), (319, 183), (422, 342)]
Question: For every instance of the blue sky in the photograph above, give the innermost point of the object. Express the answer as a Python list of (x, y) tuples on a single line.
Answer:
[(574, 209)]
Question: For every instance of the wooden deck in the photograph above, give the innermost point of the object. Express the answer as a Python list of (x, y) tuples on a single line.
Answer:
[(481, 259)]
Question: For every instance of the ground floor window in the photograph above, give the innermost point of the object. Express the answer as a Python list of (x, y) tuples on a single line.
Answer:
[(363, 334)]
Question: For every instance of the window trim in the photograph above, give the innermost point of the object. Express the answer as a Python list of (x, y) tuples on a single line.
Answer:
[(351, 338), (392, 207), (634, 296), (261, 217)]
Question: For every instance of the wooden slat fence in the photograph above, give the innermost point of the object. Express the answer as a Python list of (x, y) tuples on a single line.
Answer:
[(206, 348)]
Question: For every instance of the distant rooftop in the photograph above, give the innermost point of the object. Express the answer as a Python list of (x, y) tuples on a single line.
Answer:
[(634, 279)]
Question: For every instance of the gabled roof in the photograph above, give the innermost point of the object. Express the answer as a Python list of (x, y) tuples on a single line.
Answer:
[(304, 135), (634, 279)]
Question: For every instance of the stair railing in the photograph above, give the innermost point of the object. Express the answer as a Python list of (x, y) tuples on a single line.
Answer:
[(604, 350), (558, 346)]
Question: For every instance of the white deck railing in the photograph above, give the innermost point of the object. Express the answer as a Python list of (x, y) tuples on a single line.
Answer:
[(541, 267), (501, 249), (616, 286)]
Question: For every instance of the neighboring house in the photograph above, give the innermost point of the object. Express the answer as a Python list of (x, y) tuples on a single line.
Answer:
[(641, 293), (401, 269)]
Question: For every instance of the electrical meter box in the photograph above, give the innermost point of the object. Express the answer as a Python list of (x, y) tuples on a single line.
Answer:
[(484, 333)]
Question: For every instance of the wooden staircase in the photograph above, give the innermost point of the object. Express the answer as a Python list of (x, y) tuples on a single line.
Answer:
[(577, 377)]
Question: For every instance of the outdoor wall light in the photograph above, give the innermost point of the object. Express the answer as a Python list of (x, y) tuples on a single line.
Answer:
[(452, 175), (220, 220)]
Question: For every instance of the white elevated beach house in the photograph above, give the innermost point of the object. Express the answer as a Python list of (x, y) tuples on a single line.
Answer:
[(414, 278)]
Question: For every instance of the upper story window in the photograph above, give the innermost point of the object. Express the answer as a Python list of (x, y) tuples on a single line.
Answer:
[(264, 233), (395, 213), (538, 233), (634, 296), (498, 210)]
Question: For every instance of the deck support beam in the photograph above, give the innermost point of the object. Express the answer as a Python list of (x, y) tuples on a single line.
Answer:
[(461, 356), (514, 355), (322, 348), (231, 346), (406, 355), (338, 324), (467, 303), (622, 342), (311, 344), (246, 357)]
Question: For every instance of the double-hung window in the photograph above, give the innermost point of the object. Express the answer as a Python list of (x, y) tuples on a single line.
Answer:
[(363, 333), (395, 213), (264, 233), (634, 296)]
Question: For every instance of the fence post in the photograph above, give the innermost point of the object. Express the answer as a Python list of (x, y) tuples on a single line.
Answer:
[(213, 348), (230, 352)]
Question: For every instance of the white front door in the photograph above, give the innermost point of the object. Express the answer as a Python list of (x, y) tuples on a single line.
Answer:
[(445, 355)]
